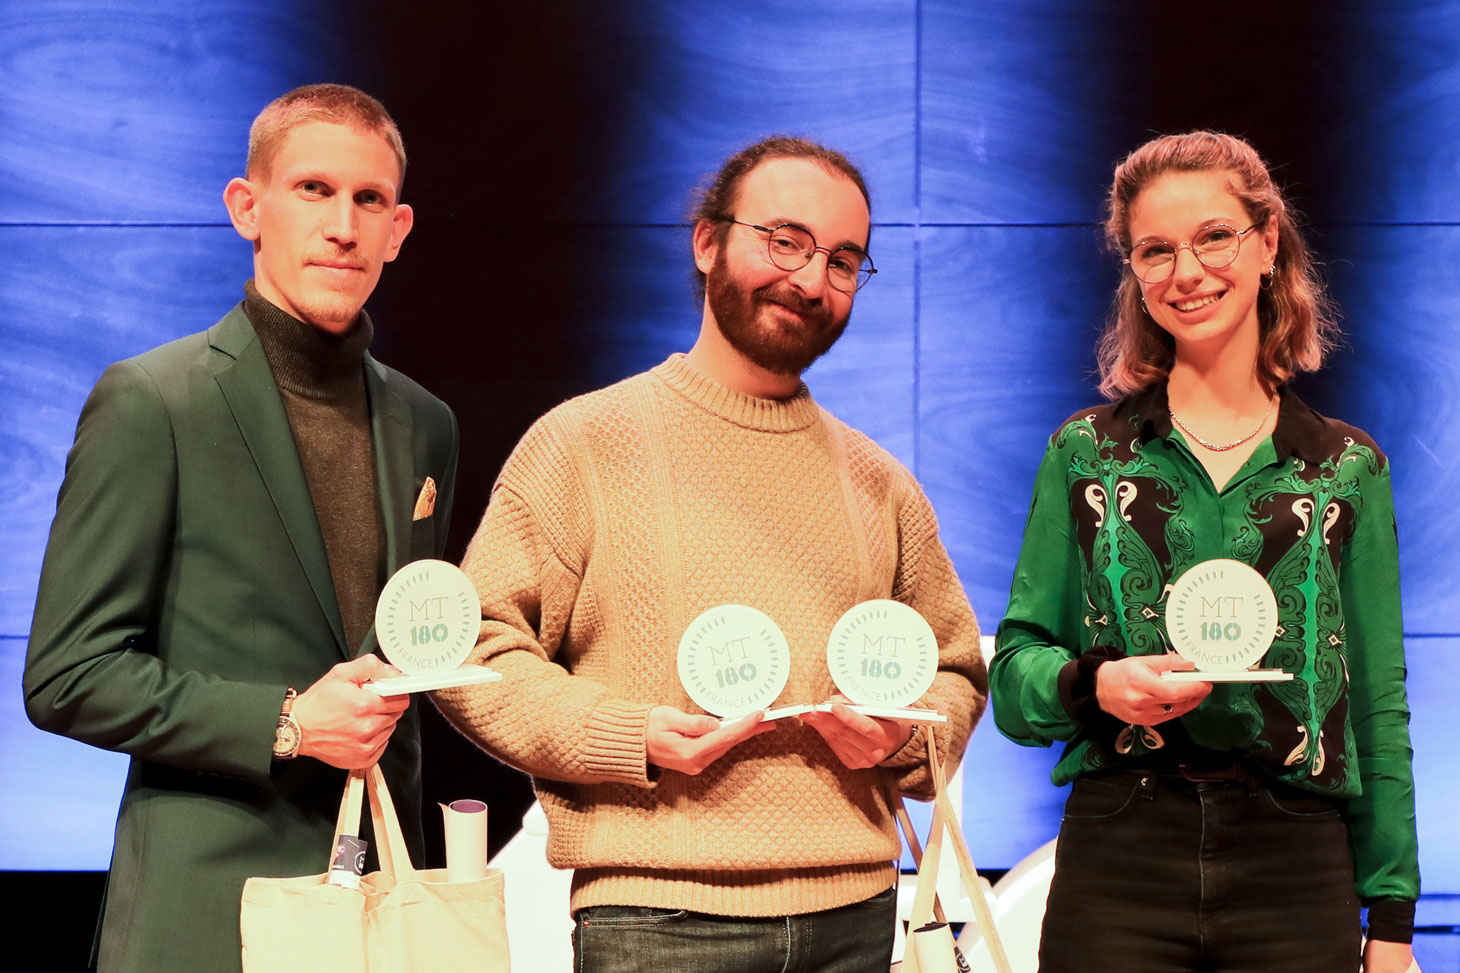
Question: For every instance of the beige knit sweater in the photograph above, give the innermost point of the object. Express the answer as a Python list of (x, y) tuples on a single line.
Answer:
[(621, 516)]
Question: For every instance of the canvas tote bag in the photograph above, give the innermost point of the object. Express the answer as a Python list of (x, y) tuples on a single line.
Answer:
[(400, 920), (926, 907)]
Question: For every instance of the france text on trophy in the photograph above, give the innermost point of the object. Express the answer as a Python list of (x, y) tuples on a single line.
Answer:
[(1222, 616), (734, 660), (883, 656), (427, 621)]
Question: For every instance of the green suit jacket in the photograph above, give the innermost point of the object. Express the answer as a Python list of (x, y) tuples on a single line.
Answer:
[(185, 587)]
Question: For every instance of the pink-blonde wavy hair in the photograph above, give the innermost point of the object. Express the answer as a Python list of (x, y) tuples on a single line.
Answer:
[(1298, 322)]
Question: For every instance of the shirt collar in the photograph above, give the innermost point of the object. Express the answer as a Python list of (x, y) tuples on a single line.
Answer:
[(1299, 430)]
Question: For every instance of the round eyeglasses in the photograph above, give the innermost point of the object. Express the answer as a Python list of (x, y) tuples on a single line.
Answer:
[(791, 247), (1215, 245)]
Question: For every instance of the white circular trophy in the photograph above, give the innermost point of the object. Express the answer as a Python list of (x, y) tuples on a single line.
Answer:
[(427, 620), (1222, 616), (733, 660), (883, 656)]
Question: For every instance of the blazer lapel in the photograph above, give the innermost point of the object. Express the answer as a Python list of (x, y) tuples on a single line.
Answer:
[(391, 425), (248, 387)]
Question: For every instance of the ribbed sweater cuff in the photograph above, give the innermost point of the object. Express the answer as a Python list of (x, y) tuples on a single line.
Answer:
[(617, 742), (911, 753)]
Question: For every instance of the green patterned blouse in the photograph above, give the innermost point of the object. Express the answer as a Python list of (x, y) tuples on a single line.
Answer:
[(1121, 509)]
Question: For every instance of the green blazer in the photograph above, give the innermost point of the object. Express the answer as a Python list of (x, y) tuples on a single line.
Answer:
[(185, 587)]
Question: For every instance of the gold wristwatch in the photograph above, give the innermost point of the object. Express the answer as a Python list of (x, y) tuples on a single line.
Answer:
[(287, 736)]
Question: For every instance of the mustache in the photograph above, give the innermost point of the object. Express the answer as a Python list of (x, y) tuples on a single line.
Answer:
[(338, 256), (785, 296)]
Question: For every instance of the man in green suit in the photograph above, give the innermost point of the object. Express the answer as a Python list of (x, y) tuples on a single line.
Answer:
[(232, 505)]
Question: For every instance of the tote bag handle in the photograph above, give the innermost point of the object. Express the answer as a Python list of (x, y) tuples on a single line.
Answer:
[(945, 821), (390, 842)]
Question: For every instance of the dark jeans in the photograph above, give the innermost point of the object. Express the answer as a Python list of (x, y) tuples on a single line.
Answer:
[(856, 938), (1160, 874)]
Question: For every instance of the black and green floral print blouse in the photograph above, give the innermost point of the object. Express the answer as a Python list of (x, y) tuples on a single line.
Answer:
[(1121, 509)]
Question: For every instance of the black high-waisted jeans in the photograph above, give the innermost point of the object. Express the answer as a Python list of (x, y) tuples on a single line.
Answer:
[(1156, 873)]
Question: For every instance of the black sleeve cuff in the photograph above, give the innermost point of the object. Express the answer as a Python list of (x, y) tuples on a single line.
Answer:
[(1391, 920), (1077, 684)]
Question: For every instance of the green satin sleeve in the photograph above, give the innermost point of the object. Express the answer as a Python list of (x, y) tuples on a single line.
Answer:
[(1039, 635), (1381, 820)]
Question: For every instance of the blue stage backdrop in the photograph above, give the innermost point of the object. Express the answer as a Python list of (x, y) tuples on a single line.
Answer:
[(553, 150), (121, 122)]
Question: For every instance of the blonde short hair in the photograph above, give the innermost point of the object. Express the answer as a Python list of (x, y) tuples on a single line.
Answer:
[(337, 103)]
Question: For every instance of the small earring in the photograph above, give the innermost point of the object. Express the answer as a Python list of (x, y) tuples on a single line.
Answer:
[(1266, 280)]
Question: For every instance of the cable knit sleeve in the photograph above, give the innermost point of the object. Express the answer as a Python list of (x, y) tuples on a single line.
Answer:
[(526, 561), (926, 580)]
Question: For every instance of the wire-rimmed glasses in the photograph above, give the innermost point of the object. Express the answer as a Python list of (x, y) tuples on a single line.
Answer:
[(791, 247), (1215, 245)]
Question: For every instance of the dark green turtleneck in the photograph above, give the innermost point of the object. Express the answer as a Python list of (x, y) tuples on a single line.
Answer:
[(321, 378)]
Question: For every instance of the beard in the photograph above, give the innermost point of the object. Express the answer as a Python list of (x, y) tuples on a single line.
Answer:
[(334, 313), (334, 306), (780, 347)]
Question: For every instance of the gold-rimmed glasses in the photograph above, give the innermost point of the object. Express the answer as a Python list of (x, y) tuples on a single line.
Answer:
[(1215, 245), (791, 247)]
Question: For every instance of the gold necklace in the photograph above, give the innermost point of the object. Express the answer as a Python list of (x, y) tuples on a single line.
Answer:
[(1223, 447)]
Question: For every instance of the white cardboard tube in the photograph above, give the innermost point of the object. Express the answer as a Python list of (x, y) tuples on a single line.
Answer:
[(466, 840), (936, 950)]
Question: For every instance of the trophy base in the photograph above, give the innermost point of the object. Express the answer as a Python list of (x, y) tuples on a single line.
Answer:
[(778, 713), (902, 714), (1241, 675), (466, 675)]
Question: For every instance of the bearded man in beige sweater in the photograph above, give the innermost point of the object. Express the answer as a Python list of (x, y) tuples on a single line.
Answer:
[(714, 478)]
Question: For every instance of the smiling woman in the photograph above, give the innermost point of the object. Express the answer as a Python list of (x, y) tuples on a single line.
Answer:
[(1215, 183), (1303, 787)]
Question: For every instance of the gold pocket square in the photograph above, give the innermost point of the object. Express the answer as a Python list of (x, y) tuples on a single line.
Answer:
[(426, 502)]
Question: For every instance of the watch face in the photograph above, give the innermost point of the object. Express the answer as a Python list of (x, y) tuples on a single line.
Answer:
[(286, 737)]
